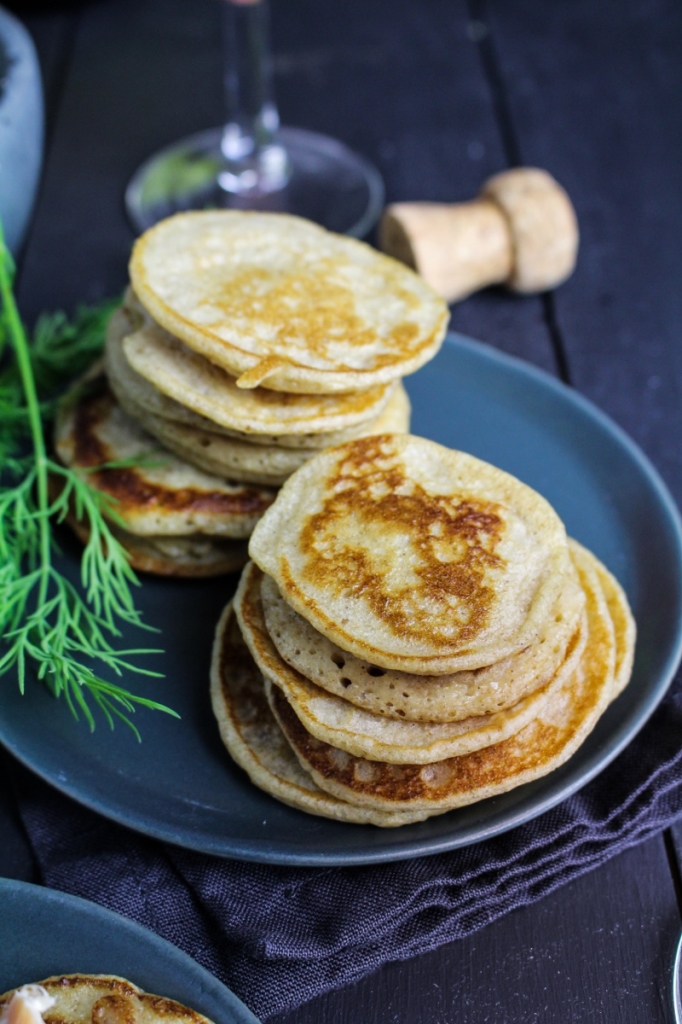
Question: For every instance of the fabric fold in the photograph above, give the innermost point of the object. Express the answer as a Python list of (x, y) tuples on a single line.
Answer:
[(279, 936)]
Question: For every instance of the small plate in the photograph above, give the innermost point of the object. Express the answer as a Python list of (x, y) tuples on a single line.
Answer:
[(179, 784), (46, 933)]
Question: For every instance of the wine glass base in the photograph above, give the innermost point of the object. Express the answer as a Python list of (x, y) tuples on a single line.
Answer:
[(328, 183)]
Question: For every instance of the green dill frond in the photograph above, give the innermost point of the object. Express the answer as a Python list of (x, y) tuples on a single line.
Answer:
[(51, 629)]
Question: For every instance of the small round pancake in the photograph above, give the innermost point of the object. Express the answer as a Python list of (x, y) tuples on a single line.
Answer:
[(190, 380), (412, 556), (187, 557), (242, 460), (277, 300), (545, 743), (136, 394), (106, 999), (364, 734), (621, 615), (131, 389), (255, 741), (161, 495), (409, 697)]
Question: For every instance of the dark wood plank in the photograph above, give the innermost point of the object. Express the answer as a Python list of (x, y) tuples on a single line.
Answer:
[(595, 96), (406, 89), (410, 91), (600, 949), (54, 35), (128, 92)]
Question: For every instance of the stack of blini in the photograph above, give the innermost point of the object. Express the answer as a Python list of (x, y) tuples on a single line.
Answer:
[(415, 633), (247, 343)]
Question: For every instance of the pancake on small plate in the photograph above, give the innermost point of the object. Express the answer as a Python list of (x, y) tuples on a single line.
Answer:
[(392, 551), (92, 999)]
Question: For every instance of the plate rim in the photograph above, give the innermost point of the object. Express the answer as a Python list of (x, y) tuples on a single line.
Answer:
[(255, 852), (177, 958)]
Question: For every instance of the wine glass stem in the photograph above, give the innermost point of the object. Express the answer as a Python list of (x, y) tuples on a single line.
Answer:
[(253, 162)]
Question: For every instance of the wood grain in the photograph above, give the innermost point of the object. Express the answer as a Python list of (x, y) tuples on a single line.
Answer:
[(440, 95), (598, 950)]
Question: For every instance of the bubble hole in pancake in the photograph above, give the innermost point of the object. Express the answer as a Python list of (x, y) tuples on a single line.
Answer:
[(535, 750), (410, 697), (364, 734), (254, 740)]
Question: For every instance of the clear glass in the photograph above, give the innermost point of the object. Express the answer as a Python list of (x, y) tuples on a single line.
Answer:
[(677, 983), (251, 162)]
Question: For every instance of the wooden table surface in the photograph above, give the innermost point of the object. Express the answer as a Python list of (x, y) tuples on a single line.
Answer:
[(440, 94)]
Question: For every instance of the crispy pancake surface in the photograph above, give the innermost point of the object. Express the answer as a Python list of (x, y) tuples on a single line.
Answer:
[(365, 734), (103, 999), (277, 300), (542, 745), (190, 380), (191, 557), (410, 697), (242, 460), (621, 615), (160, 496), (412, 556), (255, 741)]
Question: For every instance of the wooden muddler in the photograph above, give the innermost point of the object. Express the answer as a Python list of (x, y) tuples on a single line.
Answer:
[(520, 231)]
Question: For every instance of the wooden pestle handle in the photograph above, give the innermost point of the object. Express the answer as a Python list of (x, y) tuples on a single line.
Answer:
[(520, 231)]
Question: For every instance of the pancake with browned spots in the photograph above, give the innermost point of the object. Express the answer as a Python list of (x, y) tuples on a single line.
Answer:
[(420, 698), (255, 741), (242, 460), (157, 494), (171, 518), (541, 746), (196, 556), (365, 734), (106, 999), (277, 300), (414, 557), (170, 380)]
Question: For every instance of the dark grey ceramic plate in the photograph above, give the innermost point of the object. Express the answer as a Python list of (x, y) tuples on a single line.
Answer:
[(181, 786), (46, 932)]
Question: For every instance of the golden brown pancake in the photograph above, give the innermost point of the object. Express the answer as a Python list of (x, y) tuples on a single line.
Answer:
[(544, 744), (279, 301), (419, 698), (191, 557), (185, 386), (621, 615), (160, 495), (365, 734), (412, 556), (255, 741), (105, 999), (242, 460)]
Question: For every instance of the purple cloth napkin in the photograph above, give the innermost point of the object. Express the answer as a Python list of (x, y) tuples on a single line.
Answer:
[(279, 936)]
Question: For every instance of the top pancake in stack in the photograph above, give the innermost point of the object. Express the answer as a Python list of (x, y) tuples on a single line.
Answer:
[(424, 632)]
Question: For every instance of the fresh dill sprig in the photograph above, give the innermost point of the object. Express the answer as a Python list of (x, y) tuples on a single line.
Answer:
[(61, 633)]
